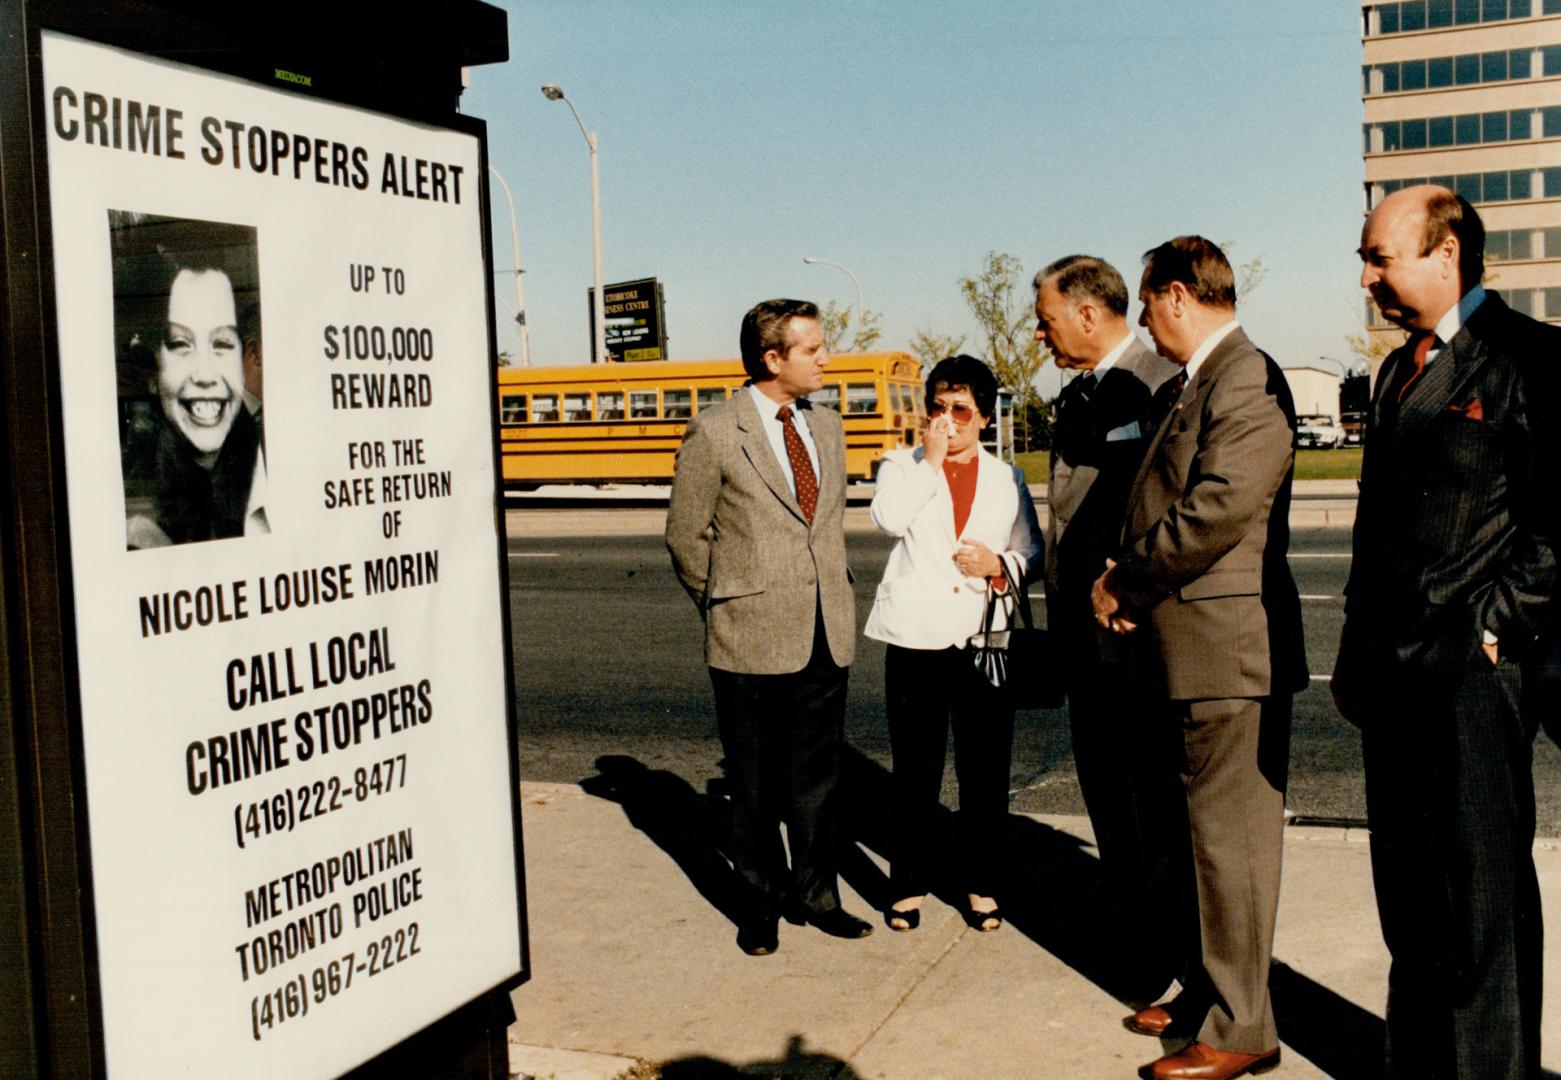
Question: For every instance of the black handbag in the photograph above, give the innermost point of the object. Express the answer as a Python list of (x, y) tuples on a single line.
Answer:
[(1017, 659)]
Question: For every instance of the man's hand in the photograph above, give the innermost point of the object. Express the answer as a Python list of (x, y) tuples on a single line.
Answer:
[(1109, 612)]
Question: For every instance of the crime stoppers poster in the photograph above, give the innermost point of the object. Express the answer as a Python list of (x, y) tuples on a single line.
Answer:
[(274, 376)]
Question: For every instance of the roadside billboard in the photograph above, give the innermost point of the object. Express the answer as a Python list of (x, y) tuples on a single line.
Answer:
[(636, 320)]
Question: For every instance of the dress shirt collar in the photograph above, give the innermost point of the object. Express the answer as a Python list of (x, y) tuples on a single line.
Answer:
[(1107, 362), (1452, 321), (775, 431), (1202, 352), (769, 408)]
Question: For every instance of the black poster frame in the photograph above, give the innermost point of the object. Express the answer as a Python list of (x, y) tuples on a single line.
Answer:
[(49, 957)]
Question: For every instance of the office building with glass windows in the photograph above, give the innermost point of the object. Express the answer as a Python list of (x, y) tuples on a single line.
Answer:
[(1467, 93)]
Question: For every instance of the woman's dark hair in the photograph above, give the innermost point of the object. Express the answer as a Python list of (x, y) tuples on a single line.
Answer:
[(964, 372)]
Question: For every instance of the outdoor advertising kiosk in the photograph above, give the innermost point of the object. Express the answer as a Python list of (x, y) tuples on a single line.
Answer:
[(257, 768)]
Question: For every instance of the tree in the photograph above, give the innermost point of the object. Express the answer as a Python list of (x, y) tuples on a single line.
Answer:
[(999, 299), (929, 347), (836, 321), (505, 359), (1249, 275)]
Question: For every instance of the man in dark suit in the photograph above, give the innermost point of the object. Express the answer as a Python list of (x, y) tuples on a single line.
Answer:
[(1454, 569), (1124, 749), (754, 529), (1202, 570)]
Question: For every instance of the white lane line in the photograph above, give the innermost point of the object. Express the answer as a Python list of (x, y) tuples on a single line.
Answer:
[(1321, 678), (533, 554), (1317, 596), (1319, 554)]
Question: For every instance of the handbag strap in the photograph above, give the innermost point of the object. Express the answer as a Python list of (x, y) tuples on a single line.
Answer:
[(986, 611), (1021, 598)]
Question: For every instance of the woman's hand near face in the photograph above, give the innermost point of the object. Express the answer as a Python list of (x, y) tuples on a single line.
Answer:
[(935, 443), (975, 559)]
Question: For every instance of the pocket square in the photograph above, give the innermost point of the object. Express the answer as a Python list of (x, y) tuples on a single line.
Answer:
[(1123, 433), (1473, 410)]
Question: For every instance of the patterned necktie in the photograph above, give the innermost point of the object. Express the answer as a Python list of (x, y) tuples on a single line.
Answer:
[(1422, 350), (801, 466)]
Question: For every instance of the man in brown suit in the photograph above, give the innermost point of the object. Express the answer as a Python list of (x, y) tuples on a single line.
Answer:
[(754, 528), (1202, 571)]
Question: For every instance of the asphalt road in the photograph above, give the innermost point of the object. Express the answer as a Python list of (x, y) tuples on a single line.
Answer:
[(608, 662)]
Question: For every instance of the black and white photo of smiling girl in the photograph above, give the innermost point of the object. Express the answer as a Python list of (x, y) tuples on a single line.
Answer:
[(192, 452)]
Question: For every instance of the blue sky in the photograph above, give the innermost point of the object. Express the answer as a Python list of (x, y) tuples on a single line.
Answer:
[(905, 140)]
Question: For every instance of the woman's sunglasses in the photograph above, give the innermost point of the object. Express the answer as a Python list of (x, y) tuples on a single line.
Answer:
[(961, 412)]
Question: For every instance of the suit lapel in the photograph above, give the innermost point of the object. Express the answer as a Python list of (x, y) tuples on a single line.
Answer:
[(756, 446), (1443, 379), (990, 473), (1197, 388), (831, 469), (1386, 376), (1152, 451)]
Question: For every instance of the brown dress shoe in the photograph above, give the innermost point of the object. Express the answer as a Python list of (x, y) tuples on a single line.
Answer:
[(1151, 1021), (1200, 1061)]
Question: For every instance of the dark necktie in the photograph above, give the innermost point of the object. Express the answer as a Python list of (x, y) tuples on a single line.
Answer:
[(1422, 350), (1164, 401), (801, 466), (1087, 384)]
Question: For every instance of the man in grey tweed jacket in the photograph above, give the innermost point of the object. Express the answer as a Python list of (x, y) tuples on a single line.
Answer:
[(755, 531)]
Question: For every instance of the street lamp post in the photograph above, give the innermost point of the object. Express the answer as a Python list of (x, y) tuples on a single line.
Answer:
[(599, 307), (860, 311), (520, 289)]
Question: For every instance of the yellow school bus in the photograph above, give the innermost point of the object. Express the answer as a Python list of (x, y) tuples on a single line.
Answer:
[(622, 423)]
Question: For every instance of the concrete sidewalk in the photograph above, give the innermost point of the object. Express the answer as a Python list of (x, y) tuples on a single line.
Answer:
[(635, 969)]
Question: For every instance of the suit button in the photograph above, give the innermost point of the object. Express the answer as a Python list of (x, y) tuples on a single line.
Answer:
[(956, 590)]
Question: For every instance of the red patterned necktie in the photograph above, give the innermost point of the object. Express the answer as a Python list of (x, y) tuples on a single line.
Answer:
[(801, 466), (1422, 350)]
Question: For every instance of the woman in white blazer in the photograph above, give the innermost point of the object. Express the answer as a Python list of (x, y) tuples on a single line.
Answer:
[(959, 514)]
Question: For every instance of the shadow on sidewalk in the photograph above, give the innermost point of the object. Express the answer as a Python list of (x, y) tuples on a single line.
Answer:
[(796, 1064), (1053, 896), (690, 827)]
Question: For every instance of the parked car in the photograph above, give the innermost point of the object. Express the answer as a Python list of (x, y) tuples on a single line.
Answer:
[(1318, 433), (1354, 424)]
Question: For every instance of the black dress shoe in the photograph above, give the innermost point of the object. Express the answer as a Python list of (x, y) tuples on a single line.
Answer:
[(759, 936), (838, 922)]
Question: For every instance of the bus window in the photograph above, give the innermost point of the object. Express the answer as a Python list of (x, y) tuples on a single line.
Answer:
[(544, 409), (904, 398), (577, 408), (861, 398), (710, 395), (642, 404), (609, 405), (512, 409), (677, 404), (827, 395)]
